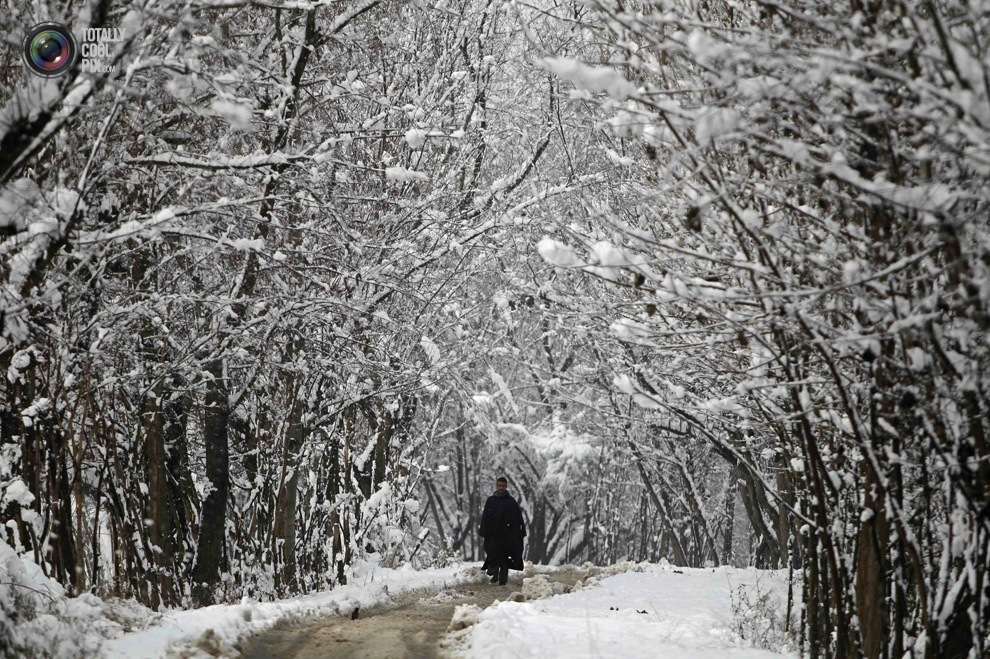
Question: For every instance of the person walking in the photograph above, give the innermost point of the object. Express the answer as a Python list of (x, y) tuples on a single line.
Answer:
[(503, 530)]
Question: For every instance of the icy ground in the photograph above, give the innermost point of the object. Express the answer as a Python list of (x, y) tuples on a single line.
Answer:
[(660, 612)]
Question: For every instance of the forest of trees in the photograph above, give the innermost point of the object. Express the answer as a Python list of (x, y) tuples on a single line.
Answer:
[(708, 280)]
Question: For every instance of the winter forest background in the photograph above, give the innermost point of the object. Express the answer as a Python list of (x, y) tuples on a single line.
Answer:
[(708, 280)]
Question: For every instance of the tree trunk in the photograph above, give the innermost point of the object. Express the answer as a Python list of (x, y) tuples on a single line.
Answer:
[(871, 547), (61, 539), (284, 525), (732, 487), (158, 512), (182, 497), (212, 531), (12, 443)]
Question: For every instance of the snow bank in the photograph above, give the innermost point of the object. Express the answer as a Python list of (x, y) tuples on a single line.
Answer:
[(539, 586), (464, 616), (218, 629), (38, 620), (655, 612)]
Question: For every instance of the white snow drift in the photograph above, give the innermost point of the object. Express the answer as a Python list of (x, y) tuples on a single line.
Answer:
[(654, 614)]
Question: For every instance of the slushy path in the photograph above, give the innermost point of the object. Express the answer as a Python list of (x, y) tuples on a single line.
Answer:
[(410, 628)]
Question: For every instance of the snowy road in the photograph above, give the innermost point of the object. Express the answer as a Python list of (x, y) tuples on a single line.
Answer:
[(656, 612), (626, 611), (220, 630), (412, 629)]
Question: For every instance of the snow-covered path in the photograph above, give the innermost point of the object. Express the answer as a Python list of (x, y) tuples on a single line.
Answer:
[(412, 627), (659, 613), (653, 612), (222, 629)]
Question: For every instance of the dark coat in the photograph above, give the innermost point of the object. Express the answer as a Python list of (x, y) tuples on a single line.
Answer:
[(503, 529)]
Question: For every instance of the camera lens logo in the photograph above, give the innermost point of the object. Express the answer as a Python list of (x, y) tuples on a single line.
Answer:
[(49, 49)]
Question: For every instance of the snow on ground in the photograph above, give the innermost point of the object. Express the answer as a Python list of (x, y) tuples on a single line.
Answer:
[(215, 630), (657, 613)]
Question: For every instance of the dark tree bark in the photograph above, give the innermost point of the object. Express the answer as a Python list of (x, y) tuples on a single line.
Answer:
[(284, 525), (182, 498), (12, 436), (61, 539), (159, 502), (730, 514), (212, 531)]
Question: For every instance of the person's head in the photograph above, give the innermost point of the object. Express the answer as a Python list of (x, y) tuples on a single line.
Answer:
[(501, 484)]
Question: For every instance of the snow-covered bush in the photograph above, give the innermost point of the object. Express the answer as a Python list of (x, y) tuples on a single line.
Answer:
[(390, 525), (436, 555), (38, 620), (759, 616)]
